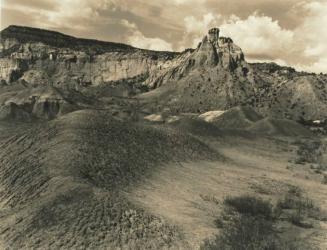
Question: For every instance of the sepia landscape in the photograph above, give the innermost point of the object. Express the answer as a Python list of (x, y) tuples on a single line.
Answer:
[(104, 145)]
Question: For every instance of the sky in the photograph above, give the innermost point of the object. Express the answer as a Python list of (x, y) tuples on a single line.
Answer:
[(288, 32)]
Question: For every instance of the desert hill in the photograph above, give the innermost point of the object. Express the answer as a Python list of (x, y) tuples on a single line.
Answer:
[(107, 146), (279, 127), (77, 164), (214, 76), (237, 117), (91, 180)]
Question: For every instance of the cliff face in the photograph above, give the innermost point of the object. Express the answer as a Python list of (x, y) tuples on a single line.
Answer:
[(41, 70), (214, 76), (111, 67), (214, 54), (71, 61), (65, 60), (7, 69)]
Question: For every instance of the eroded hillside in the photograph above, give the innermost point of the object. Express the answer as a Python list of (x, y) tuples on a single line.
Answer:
[(214, 76), (106, 146)]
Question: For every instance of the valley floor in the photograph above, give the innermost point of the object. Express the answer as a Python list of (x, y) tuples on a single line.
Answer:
[(191, 194), (73, 184)]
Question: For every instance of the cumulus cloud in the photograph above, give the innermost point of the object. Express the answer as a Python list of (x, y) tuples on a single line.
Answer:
[(195, 28), (314, 24), (313, 35), (181, 2), (62, 14), (69, 10), (140, 41), (137, 39), (39, 4), (258, 35), (320, 66), (194, 25)]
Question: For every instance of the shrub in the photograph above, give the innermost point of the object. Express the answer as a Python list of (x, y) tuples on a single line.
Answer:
[(247, 223), (297, 218), (245, 232), (324, 180), (300, 206), (294, 199), (308, 152), (249, 205)]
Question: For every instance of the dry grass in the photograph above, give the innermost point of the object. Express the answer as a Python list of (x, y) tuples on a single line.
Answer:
[(248, 223), (192, 194), (90, 181), (62, 183)]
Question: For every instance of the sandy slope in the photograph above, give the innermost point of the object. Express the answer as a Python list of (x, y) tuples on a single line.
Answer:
[(61, 182), (190, 194), (90, 180)]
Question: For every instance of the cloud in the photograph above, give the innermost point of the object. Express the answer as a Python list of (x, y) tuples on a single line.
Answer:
[(258, 35), (140, 41), (183, 2), (310, 38), (60, 14), (195, 28), (39, 4), (137, 39), (319, 66), (313, 30), (69, 11), (285, 11), (194, 25)]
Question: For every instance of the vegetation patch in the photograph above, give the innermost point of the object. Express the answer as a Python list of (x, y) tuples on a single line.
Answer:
[(309, 152), (324, 180), (297, 208), (251, 223), (249, 205)]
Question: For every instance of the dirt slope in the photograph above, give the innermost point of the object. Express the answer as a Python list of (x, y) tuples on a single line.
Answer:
[(279, 127), (68, 176), (191, 194), (236, 118)]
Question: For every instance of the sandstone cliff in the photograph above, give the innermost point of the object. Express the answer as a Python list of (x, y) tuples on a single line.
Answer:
[(66, 60), (214, 76)]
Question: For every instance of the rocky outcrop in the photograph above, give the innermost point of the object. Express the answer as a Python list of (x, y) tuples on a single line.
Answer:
[(75, 62), (222, 50), (11, 69), (214, 54), (231, 55), (216, 50), (64, 60), (11, 111), (44, 102), (111, 67), (214, 76)]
